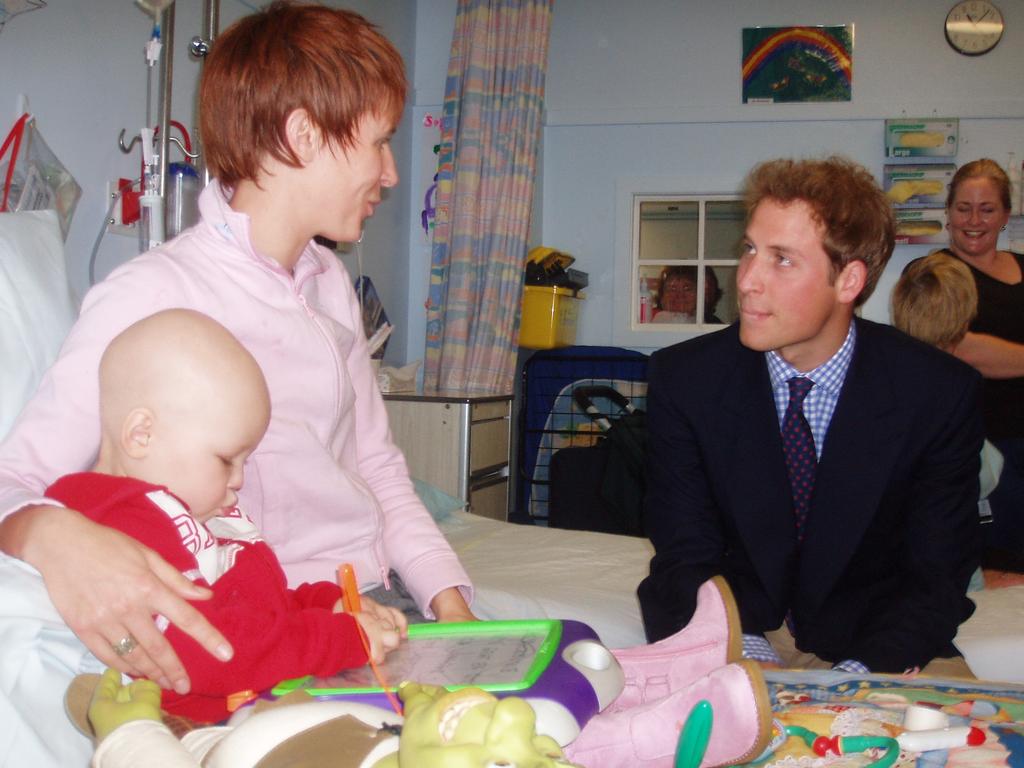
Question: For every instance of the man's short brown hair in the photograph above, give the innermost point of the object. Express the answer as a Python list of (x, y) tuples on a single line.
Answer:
[(332, 63), (844, 198), (935, 300)]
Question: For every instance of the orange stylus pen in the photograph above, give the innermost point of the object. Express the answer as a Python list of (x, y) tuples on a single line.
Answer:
[(349, 588)]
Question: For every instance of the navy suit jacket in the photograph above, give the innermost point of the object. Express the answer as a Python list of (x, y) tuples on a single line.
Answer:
[(892, 533)]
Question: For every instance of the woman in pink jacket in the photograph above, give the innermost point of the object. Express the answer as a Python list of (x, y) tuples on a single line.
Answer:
[(297, 104)]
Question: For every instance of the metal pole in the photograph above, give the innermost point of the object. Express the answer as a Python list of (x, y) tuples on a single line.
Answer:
[(166, 78), (211, 19), (200, 47)]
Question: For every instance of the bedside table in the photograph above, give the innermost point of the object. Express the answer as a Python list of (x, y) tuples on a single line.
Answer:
[(457, 442)]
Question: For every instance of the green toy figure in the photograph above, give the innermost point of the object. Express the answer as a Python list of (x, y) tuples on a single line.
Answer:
[(468, 728)]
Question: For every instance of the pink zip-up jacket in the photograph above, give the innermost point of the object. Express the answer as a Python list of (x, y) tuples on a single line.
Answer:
[(326, 485)]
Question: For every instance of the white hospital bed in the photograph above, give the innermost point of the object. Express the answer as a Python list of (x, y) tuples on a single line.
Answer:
[(528, 571), (523, 571)]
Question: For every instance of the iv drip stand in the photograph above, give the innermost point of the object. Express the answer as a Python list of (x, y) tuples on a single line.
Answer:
[(166, 77), (198, 48)]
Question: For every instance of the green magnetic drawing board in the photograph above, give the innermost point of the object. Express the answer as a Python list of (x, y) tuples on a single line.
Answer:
[(497, 656)]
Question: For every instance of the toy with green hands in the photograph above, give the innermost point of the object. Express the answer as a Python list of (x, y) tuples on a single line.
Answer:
[(114, 704), (467, 728)]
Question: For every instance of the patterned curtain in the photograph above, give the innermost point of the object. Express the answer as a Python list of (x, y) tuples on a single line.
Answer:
[(490, 135)]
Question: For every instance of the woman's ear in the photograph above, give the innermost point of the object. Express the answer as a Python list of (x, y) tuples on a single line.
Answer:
[(137, 432), (303, 136)]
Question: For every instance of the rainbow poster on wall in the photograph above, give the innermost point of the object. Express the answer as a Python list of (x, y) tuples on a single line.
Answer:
[(797, 64)]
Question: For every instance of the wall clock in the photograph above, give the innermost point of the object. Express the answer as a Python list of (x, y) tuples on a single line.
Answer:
[(974, 27)]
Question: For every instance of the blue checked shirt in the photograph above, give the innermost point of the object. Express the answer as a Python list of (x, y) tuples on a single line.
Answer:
[(819, 405), (828, 378)]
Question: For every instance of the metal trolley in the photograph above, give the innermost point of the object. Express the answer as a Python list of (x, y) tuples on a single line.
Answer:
[(550, 418)]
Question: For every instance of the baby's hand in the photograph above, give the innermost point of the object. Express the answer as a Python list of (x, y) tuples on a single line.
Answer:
[(114, 704), (382, 635), (387, 615)]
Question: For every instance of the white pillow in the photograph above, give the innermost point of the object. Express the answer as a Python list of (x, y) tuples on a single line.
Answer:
[(36, 306)]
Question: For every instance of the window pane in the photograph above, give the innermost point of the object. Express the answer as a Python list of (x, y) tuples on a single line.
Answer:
[(723, 229), (720, 295), (647, 283), (674, 285), (669, 293), (668, 230)]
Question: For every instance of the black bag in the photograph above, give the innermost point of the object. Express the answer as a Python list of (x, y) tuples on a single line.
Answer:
[(601, 488)]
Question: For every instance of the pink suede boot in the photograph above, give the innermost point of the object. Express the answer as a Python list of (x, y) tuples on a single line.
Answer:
[(646, 736), (712, 639)]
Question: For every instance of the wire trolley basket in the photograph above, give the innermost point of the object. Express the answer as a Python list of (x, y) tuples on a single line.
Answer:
[(552, 417)]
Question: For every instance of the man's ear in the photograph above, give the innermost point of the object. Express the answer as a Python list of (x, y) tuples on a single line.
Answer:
[(303, 136), (137, 432), (851, 281)]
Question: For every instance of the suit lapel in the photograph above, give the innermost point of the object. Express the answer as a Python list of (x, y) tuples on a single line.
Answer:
[(756, 482), (861, 445)]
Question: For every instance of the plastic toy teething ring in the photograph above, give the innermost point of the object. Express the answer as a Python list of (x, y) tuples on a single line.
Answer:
[(125, 645)]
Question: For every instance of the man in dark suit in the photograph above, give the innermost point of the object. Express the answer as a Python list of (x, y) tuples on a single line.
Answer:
[(842, 509)]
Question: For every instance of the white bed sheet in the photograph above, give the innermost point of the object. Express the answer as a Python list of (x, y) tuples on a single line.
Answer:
[(526, 572), (991, 639), (529, 572)]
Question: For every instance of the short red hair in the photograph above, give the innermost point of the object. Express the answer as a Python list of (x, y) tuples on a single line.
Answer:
[(330, 62)]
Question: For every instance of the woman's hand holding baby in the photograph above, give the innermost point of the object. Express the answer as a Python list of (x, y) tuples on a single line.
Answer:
[(108, 587)]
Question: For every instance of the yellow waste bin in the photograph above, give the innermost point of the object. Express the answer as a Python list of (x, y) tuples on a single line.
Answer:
[(549, 318)]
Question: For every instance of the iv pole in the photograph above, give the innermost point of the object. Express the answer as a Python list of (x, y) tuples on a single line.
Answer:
[(198, 48), (166, 77)]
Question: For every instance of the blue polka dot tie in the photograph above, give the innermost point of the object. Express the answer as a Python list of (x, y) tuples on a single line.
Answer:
[(798, 445)]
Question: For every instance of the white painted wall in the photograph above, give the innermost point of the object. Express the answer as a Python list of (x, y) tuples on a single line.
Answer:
[(81, 65), (635, 91), (648, 94)]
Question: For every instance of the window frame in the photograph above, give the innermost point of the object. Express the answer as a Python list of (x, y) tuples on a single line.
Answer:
[(628, 331)]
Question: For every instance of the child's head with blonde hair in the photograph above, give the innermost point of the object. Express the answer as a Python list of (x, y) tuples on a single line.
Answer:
[(935, 300)]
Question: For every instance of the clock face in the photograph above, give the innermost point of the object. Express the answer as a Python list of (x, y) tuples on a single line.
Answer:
[(974, 27)]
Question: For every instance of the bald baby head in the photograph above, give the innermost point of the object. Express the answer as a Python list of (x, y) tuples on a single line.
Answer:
[(176, 387), (178, 360)]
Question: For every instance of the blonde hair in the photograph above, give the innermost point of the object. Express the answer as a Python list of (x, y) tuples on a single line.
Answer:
[(981, 169), (935, 300)]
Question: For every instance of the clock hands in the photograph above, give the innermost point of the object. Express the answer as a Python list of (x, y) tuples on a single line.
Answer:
[(976, 21)]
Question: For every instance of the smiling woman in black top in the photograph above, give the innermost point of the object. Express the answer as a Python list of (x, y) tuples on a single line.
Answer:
[(977, 210)]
